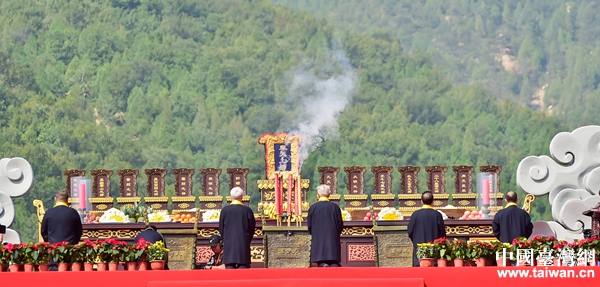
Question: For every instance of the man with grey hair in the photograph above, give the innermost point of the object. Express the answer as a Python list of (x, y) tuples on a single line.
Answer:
[(236, 225), (325, 225)]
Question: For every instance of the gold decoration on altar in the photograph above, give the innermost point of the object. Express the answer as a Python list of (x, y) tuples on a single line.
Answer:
[(383, 203), (128, 199), (210, 205), (355, 203), (257, 254), (357, 231), (465, 230), (117, 234), (383, 196), (411, 203), (207, 232), (156, 199), (527, 202), (205, 198)]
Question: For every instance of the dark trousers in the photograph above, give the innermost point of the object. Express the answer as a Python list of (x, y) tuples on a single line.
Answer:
[(236, 266), (329, 263)]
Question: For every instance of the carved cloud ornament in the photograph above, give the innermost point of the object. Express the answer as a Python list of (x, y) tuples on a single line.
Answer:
[(570, 178), (16, 180)]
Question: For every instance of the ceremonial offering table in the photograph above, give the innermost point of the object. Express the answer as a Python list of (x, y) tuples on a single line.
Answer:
[(357, 237)]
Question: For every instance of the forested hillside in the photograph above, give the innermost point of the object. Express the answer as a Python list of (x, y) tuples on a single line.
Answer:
[(542, 53), (183, 83)]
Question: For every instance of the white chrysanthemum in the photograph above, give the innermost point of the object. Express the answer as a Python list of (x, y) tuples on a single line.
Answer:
[(443, 214), (161, 216), (346, 216), (211, 215), (114, 215), (389, 213)]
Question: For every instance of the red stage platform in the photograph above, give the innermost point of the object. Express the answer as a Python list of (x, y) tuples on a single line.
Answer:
[(315, 277)]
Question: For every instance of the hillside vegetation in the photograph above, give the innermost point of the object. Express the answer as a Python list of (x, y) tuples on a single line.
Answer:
[(184, 83), (544, 54)]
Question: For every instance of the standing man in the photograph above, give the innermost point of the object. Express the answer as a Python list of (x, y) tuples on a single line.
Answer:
[(61, 223), (425, 224), (236, 225), (511, 222), (325, 225)]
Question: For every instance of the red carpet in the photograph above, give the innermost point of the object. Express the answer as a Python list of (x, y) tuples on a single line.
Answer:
[(313, 277)]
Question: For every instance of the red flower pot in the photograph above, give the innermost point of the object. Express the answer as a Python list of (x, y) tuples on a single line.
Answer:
[(426, 262), (458, 262), (43, 267), (160, 264), (442, 262), (88, 266), (62, 267), (113, 266), (28, 267), (101, 266), (77, 266), (143, 265), (131, 266), (14, 267)]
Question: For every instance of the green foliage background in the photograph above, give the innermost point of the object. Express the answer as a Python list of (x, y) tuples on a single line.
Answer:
[(181, 83)]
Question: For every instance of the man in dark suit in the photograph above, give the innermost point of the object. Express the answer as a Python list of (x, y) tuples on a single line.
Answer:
[(425, 224), (325, 225), (61, 223), (236, 225), (511, 222)]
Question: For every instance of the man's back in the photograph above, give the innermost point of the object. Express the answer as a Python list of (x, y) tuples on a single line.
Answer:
[(236, 225), (61, 223), (426, 225), (510, 223), (325, 224)]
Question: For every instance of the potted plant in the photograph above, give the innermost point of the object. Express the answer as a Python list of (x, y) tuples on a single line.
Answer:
[(459, 252), (3, 259), (157, 254), (91, 254), (78, 256), (444, 249), (543, 249), (142, 245), (481, 252), (110, 251), (61, 254), (505, 252), (524, 249), (426, 253), (44, 252), (14, 254), (30, 256), (131, 255), (586, 251)]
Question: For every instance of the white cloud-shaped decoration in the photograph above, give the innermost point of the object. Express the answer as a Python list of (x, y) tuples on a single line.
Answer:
[(16, 180), (570, 178)]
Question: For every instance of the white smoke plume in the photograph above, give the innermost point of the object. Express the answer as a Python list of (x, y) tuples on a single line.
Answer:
[(319, 101)]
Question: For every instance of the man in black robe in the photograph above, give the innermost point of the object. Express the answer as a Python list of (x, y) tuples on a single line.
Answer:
[(511, 222), (425, 224), (325, 225), (236, 225), (61, 223)]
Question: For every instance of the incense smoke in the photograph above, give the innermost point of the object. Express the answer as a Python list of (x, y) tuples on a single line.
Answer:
[(318, 101)]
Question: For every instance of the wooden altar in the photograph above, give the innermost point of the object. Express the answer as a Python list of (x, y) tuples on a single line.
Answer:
[(357, 237)]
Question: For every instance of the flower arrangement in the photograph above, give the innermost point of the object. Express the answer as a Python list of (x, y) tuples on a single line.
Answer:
[(114, 215), (480, 249), (211, 215), (110, 250), (61, 252), (459, 249), (91, 251), (500, 248), (142, 245), (13, 253), (161, 216), (44, 252), (30, 252), (589, 244), (3, 256), (389, 213), (426, 250), (444, 248), (79, 252), (346, 216), (157, 251), (541, 243)]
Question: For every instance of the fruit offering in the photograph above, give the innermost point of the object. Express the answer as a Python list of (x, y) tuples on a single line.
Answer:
[(90, 218), (369, 216), (183, 218), (476, 214)]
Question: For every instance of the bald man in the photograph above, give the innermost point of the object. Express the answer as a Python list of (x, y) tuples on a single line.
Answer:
[(511, 222), (425, 224)]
